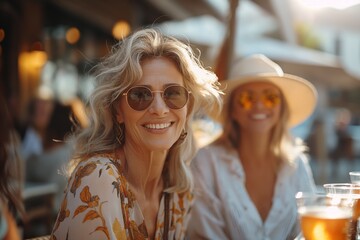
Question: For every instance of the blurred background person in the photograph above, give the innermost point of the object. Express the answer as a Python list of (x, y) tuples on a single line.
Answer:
[(40, 109), (247, 179), (49, 165), (344, 148)]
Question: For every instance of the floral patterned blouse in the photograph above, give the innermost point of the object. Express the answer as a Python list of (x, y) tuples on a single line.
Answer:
[(98, 204)]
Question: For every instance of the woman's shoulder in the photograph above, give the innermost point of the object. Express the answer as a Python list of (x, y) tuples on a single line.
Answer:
[(299, 166), (218, 151), (100, 165), (96, 191), (102, 159), (213, 158), (96, 172), (301, 160)]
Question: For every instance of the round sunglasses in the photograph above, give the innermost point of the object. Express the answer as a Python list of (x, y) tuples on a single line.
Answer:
[(140, 97), (247, 99)]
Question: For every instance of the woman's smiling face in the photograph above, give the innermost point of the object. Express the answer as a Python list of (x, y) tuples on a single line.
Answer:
[(256, 106), (157, 127)]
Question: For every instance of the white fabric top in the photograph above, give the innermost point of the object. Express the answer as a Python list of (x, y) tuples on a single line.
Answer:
[(223, 208)]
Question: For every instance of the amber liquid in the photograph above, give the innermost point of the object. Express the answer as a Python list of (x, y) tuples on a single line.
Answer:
[(354, 231), (325, 223), (354, 228)]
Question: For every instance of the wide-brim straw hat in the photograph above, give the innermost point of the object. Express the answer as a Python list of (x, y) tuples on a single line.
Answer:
[(299, 93)]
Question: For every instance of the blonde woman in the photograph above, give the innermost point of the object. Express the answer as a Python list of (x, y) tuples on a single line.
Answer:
[(246, 180), (132, 177)]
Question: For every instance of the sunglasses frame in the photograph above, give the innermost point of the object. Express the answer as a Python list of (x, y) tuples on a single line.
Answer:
[(152, 95)]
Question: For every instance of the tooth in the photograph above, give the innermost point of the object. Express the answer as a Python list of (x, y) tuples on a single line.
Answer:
[(158, 126), (259, 116)]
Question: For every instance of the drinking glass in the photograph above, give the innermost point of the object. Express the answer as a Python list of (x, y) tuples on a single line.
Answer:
[(323, 217), (355, 177), (351, 193)]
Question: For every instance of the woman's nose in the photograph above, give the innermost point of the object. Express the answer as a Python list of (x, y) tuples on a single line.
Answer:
[(258, 103), (158, 105)]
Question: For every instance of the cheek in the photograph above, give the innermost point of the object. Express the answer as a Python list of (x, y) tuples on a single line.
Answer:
[(277, 112), (234, 109), (237, 113)]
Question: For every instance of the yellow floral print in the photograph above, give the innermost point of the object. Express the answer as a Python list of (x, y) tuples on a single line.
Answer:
[(98, 204)]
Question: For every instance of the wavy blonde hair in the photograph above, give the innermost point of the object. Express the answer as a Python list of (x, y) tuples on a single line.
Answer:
[(119, 71)]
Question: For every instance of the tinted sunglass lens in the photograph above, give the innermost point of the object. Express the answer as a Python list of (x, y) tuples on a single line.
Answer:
[(268, 99), (175, 96), (245, 100), (139, 98), (271, 100)]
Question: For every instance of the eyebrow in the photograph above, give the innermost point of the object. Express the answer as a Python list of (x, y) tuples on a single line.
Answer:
[(164, 86)]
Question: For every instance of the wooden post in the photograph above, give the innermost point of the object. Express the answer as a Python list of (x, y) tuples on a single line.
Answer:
[(225, 56)]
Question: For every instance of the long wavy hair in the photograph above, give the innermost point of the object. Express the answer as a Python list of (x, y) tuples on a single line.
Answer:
[(11, 179), (282, 143), (120, 70)]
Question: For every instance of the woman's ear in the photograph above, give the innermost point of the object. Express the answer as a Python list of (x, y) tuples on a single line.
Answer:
[(118, 114)]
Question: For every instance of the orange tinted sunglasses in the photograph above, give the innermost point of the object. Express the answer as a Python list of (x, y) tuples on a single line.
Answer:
[(247, 99)]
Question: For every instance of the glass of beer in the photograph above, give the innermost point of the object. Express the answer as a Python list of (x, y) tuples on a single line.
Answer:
[(323, 217), (350, 192), (355, 177)]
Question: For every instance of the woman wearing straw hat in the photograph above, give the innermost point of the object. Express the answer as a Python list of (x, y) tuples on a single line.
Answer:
[(247, 179)]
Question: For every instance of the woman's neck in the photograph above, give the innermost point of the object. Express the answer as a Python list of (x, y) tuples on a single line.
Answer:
[(256, 146), (255, 150), (143, 170)]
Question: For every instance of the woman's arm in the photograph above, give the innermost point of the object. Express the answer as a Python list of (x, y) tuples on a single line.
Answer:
[(92, 207)]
